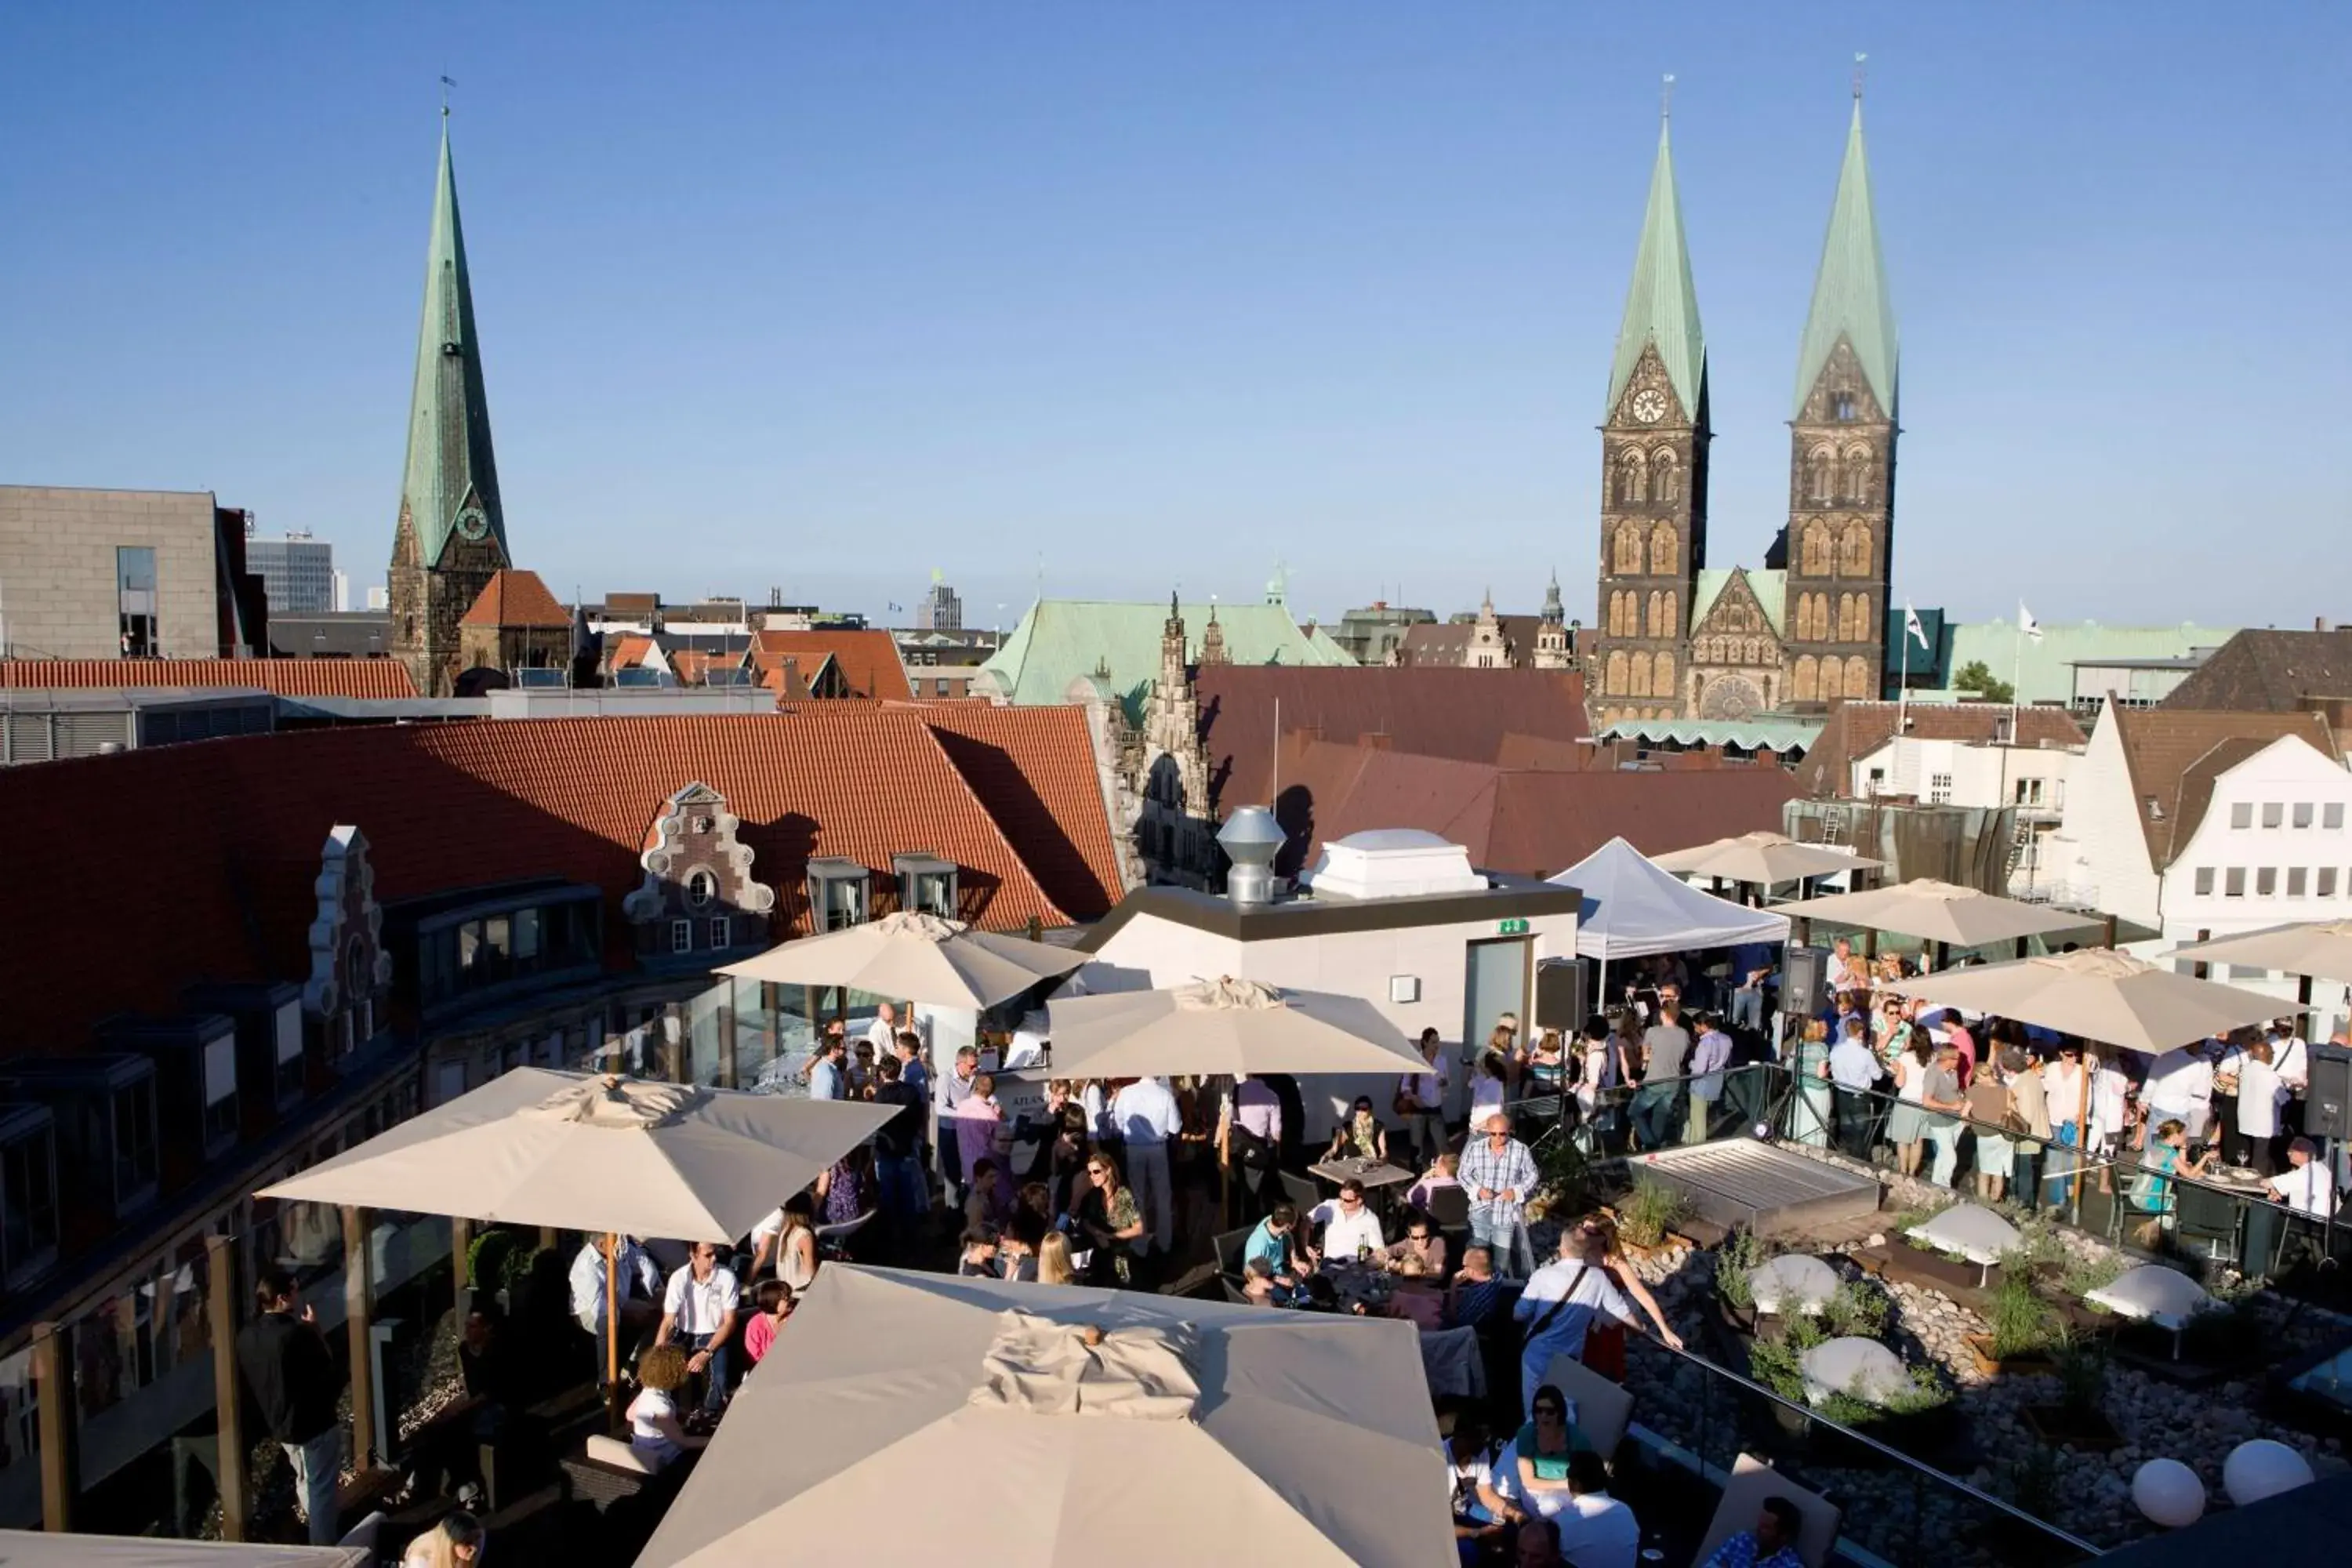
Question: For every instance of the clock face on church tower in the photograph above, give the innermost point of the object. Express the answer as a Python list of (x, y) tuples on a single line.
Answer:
[(473, 522), (1648, 405)]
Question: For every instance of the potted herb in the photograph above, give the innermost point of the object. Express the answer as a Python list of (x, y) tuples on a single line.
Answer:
[(1647, 1215), (2020, 1329)]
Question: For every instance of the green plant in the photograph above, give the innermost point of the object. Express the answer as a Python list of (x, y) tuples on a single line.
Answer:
[(2082, 1375), (2022, 1323), (1976, 676), (1741, 1251), (1779, 1364), (2084, 1275), (517, 1266), (1902, 1221), (1649, 1212), (1564, 1176), (487, 1257), (1855, 1311)]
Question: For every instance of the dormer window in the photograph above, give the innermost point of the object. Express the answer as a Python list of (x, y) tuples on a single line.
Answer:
[(926, 883), (837, 894)]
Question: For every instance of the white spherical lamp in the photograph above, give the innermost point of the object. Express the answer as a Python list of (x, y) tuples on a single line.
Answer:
[(2261, 1469), (2168, 1493)]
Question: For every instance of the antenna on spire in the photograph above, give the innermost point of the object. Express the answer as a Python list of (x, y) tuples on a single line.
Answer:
[(1666, 98), (447, 83), (1859, 59)]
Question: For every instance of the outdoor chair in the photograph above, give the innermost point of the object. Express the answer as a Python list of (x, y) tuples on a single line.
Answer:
[(1229, 1245), (1752, 1480), (1234, 1292), (1302, 1192), (2207, 1219), (831, 1240), (1603, 1409)]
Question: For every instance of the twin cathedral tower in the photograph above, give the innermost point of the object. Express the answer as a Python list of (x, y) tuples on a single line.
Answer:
[(1676, 639)]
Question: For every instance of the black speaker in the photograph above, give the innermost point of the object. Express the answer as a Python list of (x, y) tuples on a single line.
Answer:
[(2327, 1103), (1561, 996), (1804, 981)]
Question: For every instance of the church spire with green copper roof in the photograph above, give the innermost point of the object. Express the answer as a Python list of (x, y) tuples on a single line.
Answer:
[(1849, 295), (1662, 306), (451, 482)]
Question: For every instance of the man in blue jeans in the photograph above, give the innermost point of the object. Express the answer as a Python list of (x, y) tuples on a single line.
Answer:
[(897, 1162), (1659, 1110), (287, 1364), (698, 1311)]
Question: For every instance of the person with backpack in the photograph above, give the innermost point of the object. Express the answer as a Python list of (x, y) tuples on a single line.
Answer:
[(1560, 1304)]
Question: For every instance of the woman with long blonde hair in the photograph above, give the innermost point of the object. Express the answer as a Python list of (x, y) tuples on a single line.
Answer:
[(455, 1543), (1053, 1260)]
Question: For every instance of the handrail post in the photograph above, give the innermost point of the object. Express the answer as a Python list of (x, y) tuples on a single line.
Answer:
[(221, 1297)]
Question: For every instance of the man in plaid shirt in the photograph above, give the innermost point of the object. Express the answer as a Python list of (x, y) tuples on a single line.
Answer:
[(1501, 1176)]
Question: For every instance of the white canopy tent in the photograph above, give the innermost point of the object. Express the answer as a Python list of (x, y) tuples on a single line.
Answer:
[(1631, 908)]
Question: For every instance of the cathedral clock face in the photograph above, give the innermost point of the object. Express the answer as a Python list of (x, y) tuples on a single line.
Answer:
[(1648, 405), (473, 522)]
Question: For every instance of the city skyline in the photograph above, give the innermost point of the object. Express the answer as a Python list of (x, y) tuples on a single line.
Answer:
[(1369, 341)]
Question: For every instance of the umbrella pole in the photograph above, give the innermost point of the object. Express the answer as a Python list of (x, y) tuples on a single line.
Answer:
[(613, 1324), (2082, 1134)]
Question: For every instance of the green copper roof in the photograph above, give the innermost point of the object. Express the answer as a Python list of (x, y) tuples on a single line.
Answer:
[(1770, 589), (450, 465), (1662, 306), (1849, 296), (1063, 640), (2041, 668)]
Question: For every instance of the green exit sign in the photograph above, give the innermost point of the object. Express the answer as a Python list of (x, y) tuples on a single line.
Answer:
[(1511, 928)]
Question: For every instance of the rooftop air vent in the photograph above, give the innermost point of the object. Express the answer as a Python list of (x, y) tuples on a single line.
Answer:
[(1251, 839)]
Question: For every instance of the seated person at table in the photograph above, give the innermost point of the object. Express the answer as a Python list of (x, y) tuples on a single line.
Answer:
[(1596, 1531), (1475, 1295), (655, 1431), (2307, 1186), (1544, 1447), (1361, 1137), (1021, 1238), (2160, 1161), (771, 1303), (1771, 1544), (1444, 1172), (1351, 1231), (1278, 1241), (986, 1205), (978, 1259), (1470, 1461), (1422, 1253)]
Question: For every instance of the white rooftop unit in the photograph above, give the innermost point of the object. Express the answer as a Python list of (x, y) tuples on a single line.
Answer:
[(1391, 863)]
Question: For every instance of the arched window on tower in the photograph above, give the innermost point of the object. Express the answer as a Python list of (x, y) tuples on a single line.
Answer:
[(1857, 473), (1639, 673), (1807, 679), (1751, 653), (1821, 474), (1617, 673), (1813, 557), (1633, 479), (1857, 678), (1662, 676), (1650, 621), (1628, 552), (1674, 616), (1854, 559), (1665, 473), (1662, 550)]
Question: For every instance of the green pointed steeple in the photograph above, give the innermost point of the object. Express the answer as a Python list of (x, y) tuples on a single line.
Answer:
[(1849, 295), (1662, 307), (451, 484)]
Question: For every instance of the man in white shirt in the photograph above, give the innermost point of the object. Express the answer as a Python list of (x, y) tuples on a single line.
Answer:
[(640, 1283), (1350, 1226), (2108, 1091), (1558, 1305), (1596, 1531), (2181, 1087), (884, 1030), (698, 1312), (1854, 1073), (1145, 1114), (2305, 1186)]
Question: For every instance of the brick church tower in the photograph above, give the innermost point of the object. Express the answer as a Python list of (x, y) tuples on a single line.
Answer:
[(452, 534), (1841, 459)]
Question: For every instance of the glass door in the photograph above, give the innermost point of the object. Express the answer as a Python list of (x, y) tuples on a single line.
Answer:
[(1495, 982)]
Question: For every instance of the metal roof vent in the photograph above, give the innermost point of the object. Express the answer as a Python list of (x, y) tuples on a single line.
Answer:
[(1251, 839)]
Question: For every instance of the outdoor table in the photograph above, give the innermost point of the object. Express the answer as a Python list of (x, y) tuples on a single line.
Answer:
[(1373, 1173), (1359, 1285), (2258, 1236)]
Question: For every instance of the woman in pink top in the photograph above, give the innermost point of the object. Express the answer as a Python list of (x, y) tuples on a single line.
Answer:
[(775, 1300)]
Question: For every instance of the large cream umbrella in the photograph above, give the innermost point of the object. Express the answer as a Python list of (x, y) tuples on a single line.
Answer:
[(41, 1548), (916, 957), (1760, 858), (2322, 949), (1114, 1428), (577, 1152), (1225, 1026), (1941, 912)]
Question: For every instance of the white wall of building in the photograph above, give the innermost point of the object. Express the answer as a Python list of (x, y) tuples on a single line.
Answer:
[(2099, 854)]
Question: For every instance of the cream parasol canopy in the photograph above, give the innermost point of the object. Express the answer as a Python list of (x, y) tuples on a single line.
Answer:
[(578, 1152), (1937, 911), (1129, 1429), (1763, 857), (2322, 950), (915, 957), (1224, 1025), (2100, 995), (41, 1548)]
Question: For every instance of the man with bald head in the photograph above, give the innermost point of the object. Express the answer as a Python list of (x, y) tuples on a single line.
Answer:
[(1500, 1175)]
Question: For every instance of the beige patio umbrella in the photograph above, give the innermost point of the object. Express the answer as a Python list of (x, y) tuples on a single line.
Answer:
[(916, 957), (2100, 995), (40, 1549), (578, 1152), (1118, 1427), (1934, 911), (1225, 1026), (2321, 948), (1760, 858)]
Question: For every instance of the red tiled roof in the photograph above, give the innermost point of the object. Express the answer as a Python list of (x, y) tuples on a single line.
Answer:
[(1034, 768), (1526, 821), (868, 660), (382, 678), (516, 598), (1855, 730), (2270, 671), (1465, 714), (631, 651), (2174, 755), (451, 807)]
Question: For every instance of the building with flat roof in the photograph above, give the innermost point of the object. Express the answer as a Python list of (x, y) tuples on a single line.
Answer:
[(97, 573), (297, 573)]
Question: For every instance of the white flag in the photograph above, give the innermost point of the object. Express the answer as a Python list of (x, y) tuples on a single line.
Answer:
[(1911, 628), (2026, 622)]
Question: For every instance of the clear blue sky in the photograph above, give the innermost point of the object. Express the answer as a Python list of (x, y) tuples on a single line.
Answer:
[(824, 296)]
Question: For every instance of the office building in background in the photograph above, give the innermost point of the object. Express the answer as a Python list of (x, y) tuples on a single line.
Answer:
[(297, 571)]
